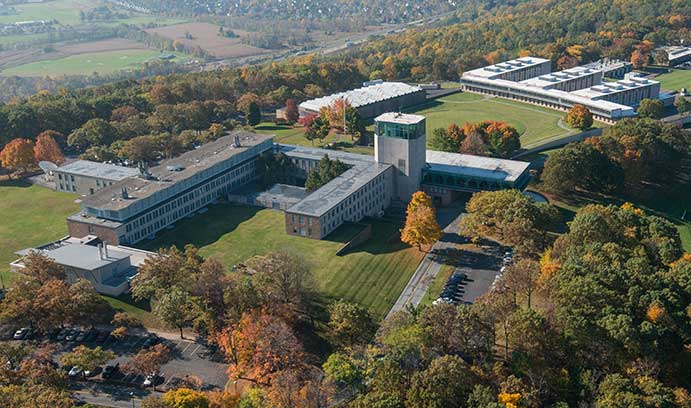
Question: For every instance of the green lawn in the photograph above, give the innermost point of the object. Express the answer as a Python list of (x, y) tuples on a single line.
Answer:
[(296, 136), (675, 80), (534, 123), (373, 275), (29, 216), (85, 64), (437, 285)]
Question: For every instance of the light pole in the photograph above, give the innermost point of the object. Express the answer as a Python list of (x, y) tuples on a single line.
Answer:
[(132, 399)]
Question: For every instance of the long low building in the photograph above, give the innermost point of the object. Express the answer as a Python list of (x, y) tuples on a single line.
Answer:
[(675, 55), (371, 100), (608, 101), (140, 206)]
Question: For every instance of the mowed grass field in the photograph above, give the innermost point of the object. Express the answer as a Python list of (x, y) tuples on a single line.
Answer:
[(675, 80), (85, 64), (534, 123), (373, 274), (64, 11), (30, 216)]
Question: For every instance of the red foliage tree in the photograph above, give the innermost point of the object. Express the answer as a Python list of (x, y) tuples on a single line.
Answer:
[(18, 154), (47, 148)]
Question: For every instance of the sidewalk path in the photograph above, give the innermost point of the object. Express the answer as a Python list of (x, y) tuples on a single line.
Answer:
[(428, 269)]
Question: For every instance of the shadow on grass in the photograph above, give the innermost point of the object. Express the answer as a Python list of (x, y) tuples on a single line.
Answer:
[(204, 229), (272, 128), (15, 183)]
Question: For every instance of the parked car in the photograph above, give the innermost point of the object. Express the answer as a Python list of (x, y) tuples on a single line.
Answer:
[(22, 333), (102, 336), (110, 369), (72, 335), (150, 380), (75, 371), (80, 337), (151, 340), (61, 335)]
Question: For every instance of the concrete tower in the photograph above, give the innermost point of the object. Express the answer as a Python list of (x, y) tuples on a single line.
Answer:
[(399, 140)]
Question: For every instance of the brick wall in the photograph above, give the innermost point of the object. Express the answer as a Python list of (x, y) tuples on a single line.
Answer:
[(312, 231), (80, 230)]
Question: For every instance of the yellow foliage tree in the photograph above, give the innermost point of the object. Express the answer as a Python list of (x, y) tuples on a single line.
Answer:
[(656, 312), (511, 400), (421, 227)]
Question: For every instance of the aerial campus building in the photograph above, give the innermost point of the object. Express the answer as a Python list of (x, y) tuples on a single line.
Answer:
[(530, 80), (138, 207), (86, 177), (373, 99), (109, 268), (676, 55)]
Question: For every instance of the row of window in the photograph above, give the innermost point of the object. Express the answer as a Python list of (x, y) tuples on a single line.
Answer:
[(186, 204)]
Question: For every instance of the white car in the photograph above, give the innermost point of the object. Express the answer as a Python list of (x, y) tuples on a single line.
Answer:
[(149, 380), (75, 371)]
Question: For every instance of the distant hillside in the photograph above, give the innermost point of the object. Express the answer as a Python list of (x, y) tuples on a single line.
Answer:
[(377, 11)]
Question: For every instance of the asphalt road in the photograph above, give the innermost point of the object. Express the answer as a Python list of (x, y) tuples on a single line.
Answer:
[(428, 269)]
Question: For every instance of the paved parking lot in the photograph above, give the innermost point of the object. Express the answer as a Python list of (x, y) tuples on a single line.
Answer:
[(190, 358)]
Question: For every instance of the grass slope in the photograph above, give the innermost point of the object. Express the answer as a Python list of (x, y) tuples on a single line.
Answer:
[(534, 123), (86, 64), (296, 136), (373, 275), (675, 80), (65, 11), (29, 216)]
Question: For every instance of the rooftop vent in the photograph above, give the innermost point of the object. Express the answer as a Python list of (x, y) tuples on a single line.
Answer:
[(175, 167)]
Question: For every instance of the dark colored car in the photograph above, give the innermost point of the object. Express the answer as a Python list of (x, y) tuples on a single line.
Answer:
[(150, 341), (102, 336), (110, 369)]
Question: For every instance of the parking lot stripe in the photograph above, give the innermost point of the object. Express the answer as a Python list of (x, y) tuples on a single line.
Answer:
[(195, 350), (188, 346)]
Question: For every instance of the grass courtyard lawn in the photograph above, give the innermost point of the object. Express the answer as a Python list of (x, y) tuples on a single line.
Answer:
[(534, 123), (29, 216), (373, 274), (296, 136), (85, 64), (437, 285), (675, 80)]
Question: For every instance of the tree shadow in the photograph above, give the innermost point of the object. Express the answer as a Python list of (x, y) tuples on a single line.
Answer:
[(489, 258), (203, 229), (15, 183)]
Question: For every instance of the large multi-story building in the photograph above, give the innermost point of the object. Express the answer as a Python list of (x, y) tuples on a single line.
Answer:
[(675, 55), (401, 165), (86, 177), (608, 101), (138, 207), (372, 99)]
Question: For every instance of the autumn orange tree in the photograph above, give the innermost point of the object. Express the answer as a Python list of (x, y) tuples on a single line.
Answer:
[(18, 154), (421, 227), (579, 117), (259, 346), (47, 149)]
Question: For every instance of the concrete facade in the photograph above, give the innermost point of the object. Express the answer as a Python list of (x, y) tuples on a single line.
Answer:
[(109, 268), (400, 140), (608, 101), (139, 207), (86, 177)]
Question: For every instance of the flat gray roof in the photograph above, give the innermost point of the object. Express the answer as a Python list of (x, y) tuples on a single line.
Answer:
[(335, 191), (363, 96), (188, 165), (402, 118), (476, 166), (98, 170), (84, 257)]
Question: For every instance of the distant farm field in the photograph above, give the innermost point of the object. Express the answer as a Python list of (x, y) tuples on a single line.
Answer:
[(535, 124), (675, 80), (64, 11), (205, 36), (86, 62)]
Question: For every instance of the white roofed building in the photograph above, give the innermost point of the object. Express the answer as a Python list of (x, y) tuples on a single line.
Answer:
[(371, 100)]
